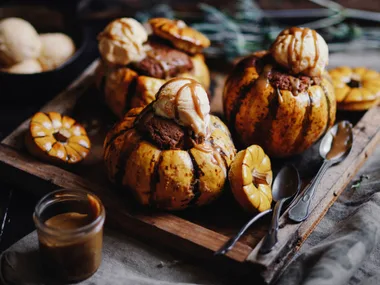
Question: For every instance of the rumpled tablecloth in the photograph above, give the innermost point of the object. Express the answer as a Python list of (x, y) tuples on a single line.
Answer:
[(343, 249)]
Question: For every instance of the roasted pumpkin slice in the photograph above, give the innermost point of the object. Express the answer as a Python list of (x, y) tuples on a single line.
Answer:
[(56, 138), (250, 178), (356, 89)]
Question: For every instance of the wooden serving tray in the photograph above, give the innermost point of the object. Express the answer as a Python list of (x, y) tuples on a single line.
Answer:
[(198, 231)]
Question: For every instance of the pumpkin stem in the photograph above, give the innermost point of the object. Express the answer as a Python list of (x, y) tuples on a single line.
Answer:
[(259, 178)]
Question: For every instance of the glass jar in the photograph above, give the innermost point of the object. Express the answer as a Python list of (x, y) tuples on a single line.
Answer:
[(70, 232)]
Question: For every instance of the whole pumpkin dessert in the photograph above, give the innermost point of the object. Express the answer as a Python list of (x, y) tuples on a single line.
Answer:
[(356, 89), (135, 64), (282, 99), (172, 154)]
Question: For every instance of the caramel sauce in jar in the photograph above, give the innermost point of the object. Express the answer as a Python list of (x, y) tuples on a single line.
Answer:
[(70, 232)]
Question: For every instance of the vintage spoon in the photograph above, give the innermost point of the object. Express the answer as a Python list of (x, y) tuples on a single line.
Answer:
[(335, 147), (285, 188), (287, 176)]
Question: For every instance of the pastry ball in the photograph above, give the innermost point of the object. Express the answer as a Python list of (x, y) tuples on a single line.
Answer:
[(56, 49), (25, 67), (121, 42), (19, 41), (301, 50)]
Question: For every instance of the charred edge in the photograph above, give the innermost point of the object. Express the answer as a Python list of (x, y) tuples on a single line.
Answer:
[(147, 109), (328, 106), (263, 127), (130, 93), (250, 61), (122, 132), (305, 124), (121, 164), (155, 179), (195, 183), (114, 137), (236, 107)]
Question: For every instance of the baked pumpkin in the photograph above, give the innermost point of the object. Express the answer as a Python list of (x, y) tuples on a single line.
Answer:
[(250, 179), (56, 138), (356, 89), (135, 66), (172, 154), (266, 103)]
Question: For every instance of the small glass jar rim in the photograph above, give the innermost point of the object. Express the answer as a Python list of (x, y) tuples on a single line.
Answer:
[(58, 232)]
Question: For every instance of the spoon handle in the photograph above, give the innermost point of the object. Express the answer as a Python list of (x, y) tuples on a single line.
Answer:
[(300, 210), (271, 238), (232, 241)]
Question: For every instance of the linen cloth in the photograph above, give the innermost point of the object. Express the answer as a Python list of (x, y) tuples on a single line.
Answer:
[(343, 249)]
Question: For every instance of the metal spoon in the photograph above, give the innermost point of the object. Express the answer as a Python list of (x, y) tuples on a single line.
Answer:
[(287, 176), (284, 188), (335, 147)]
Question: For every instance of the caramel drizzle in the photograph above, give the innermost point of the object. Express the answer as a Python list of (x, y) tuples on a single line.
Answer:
[(316, 48), (197, 104), (128, 26), (298, 56), (216, 152)]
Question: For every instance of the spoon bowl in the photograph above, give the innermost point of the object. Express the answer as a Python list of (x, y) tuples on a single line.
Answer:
[(285, 187), (286, 183), (343, 135)]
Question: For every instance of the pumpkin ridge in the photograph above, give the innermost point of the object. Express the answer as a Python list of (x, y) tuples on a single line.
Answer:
[(38, 123), (243, 92), (262, 125), (305, 124), (122, 162), (115, 136), (52, 146), (80, 145), (328, 106), (195, 182), (155, 178), (68, 146)]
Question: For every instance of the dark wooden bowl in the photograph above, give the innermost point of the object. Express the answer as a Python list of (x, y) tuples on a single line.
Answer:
[(32, 88)]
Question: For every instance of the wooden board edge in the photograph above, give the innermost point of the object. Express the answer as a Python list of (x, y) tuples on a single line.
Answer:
[(71, 94), (19, 168)]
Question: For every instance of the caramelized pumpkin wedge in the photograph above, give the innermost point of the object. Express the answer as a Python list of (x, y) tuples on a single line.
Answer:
[(250, 178), (56, 138)]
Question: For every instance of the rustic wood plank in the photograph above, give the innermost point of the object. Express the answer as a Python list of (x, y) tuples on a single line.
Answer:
[(117, 212), (291, 236)]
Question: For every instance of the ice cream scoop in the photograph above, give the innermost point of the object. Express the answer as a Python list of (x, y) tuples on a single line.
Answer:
[(25, 67), (301, 50), (122, 40), (19, 41), (185, 101), (57, 48)]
